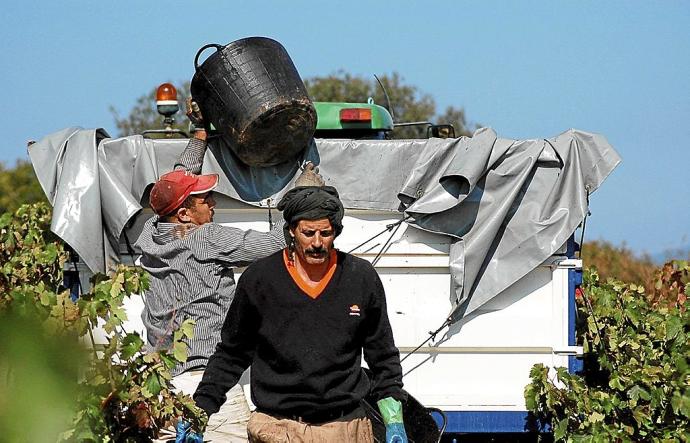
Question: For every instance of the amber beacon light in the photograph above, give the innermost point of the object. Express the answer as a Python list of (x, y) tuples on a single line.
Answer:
[(166, 100)]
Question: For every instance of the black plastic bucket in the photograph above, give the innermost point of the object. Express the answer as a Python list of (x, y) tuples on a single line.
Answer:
[(253, 95)]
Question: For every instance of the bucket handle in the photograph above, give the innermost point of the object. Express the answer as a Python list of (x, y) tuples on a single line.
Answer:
[(202, 49)]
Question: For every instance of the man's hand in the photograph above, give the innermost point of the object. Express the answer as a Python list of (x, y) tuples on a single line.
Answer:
[(310, 176), (184, 433), (195, 117), (391, 411)]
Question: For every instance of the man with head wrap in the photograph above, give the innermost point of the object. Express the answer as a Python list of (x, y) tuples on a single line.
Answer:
[(302, 318), (190, 261)]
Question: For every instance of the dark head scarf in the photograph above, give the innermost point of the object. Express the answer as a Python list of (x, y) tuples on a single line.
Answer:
[(312, 203)]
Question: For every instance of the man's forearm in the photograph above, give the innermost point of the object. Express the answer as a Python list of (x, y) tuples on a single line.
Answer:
[(192, 158)]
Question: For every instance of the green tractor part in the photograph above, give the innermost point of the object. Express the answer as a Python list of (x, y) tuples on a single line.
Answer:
[(352, 120)]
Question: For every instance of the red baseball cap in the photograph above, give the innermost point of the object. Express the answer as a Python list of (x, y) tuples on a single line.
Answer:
[(174, 187)]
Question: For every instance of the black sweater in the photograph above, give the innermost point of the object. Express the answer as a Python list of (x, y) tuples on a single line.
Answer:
[(305, 353)]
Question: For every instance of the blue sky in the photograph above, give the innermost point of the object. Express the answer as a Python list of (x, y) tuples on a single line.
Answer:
[(527, 69)]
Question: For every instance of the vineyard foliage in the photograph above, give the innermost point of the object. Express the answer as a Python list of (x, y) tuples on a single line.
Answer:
[(19, 185), (635, 385), (114, 390), (619, 262)]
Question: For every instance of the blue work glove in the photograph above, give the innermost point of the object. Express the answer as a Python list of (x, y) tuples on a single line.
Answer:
[(395, 433), (184, 433), (391, 411)]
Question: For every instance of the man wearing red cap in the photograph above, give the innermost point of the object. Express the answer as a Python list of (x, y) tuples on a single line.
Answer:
[(190, 260)]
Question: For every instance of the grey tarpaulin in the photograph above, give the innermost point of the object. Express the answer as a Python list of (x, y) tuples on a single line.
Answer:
[(507, 204)]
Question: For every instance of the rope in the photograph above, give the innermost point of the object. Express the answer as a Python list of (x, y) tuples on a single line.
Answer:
[(584, 223), (432, 336), (385, 245), (388, 228), (582, 238), (395, 226), (584, 296)]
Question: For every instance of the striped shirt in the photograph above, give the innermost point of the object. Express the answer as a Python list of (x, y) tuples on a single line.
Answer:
[(191, 275)]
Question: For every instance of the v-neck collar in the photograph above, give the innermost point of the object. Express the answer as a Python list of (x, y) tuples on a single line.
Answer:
[(312, 291)]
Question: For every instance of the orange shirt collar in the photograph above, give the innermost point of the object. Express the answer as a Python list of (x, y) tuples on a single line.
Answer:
[(311, 291)]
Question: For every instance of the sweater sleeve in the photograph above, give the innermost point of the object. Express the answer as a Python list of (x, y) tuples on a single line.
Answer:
[(192, 158), (233, 354), (380, 351), (238, 247)]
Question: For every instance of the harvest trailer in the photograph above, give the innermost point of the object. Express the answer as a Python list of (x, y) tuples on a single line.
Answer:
[(476, 229)]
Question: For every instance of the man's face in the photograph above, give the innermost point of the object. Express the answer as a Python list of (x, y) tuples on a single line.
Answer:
[(313, 240), (201, 211)]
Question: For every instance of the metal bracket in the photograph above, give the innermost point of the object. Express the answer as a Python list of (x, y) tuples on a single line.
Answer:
[(568, 263), (576, 351)]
